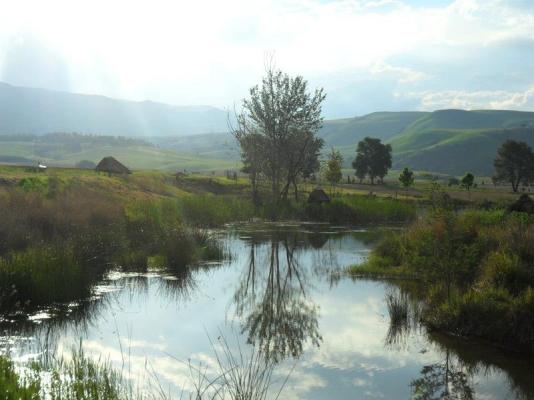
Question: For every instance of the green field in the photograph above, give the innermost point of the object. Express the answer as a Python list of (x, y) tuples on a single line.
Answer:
[(133, 156)]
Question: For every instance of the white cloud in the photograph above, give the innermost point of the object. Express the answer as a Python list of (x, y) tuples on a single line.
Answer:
[(211, 52), (402, 74), (484, 99)]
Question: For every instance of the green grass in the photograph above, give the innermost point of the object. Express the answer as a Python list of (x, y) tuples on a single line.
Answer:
[(61, 233), (134, 156), (357, 209), (475, 270), (210, 210), (236, 374), (77, 378)]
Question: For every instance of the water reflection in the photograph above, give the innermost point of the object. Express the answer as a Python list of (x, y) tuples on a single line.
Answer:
[(443, 380), (272, 300), (284, 288), (460, 363)]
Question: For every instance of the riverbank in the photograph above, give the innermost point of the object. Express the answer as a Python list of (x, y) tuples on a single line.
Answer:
[(63, 229), (476, 270)]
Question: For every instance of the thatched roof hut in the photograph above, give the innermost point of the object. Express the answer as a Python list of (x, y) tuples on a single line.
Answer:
[(111, 166), (523, 204), (318, 196)]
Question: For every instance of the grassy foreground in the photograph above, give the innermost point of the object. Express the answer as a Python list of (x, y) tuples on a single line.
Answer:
[(476, 270), (236, 374), (62, 230)]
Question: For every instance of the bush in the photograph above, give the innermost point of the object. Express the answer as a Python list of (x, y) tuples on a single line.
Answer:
[(477, 272), (40, 276)]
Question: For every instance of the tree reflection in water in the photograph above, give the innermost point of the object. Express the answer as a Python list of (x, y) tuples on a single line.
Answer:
[(272, 300), (444, 380), (451, 377), (447, 379)]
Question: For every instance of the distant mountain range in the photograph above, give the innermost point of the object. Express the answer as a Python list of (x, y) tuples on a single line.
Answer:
[(445, 141), (40, 111)]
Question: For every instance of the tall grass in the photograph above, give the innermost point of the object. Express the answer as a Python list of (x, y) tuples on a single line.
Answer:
[(476, 270), (237, 375), (355, 209), (211, 210), (41, 275), (52, 249)]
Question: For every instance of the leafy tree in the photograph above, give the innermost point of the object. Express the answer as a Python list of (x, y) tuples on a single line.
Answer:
[(514, 164), (406, 177), (276, 131), (360, 168), (373, 159), (468, 181), (333, 167)]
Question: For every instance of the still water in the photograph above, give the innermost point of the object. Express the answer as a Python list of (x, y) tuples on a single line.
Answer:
[(282, 290)]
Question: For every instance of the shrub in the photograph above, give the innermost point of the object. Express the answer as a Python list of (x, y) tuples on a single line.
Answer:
[(41, 275)]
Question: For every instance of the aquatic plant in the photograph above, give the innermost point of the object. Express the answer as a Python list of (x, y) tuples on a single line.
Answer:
[(476, 270)]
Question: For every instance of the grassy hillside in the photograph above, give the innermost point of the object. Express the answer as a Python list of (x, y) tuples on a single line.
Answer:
[(445, 141), (476, 119), (383, 125), (456, 151), (60, 150), (213, 145), (456, 141), (341, 133)]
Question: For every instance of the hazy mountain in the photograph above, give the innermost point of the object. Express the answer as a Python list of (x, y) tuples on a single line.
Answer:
[(39, 111)]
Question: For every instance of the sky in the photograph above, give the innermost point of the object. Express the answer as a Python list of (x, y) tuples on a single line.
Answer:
[(368, 55)]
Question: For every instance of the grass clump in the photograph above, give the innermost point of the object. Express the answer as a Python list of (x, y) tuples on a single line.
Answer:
[(79, 378), (13, 386), (476, 269), (355, 209), (210, 210), (41, 275)]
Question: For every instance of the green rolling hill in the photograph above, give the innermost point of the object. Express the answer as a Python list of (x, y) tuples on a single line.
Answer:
[(443, 141), (456, 141), (383, 125)]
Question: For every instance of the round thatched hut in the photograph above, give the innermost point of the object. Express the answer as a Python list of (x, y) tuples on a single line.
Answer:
[(111, 166), (318, 196)]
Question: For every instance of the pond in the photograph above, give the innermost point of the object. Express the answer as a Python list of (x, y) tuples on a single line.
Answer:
[(281, 291)]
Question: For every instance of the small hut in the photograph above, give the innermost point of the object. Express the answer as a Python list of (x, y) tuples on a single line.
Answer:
[(318, 196), (111, 166), (523, 204)]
